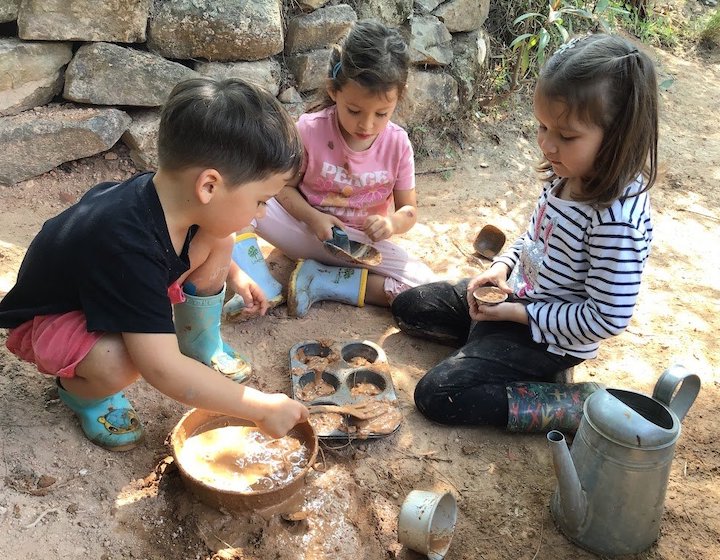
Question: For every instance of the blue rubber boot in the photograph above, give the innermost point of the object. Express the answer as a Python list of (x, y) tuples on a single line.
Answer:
[(247, 255), (312, 281), (197, 324), (110, 422)]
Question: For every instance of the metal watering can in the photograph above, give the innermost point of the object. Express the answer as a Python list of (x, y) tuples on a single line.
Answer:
[(612, 483)]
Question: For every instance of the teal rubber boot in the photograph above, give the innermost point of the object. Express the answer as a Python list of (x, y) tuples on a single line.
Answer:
[(247, 255), (197, 324), (110, 422), (541, 407), (312, 281)]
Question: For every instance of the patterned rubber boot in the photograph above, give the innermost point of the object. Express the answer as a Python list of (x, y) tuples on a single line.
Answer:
[(110, 422), (197, 324), (247, 255), (312, 281), (541, 407)]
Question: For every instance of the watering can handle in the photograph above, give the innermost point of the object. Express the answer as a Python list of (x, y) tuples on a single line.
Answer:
[(685, 396)]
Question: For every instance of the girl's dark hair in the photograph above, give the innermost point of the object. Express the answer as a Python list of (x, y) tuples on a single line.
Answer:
[(229, 125), (606, 81), (373, 55)]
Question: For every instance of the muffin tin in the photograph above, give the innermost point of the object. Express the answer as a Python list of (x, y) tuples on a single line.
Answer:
[(335, 361)]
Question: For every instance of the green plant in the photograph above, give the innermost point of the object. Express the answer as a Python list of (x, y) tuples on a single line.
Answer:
[(547, 31), (711, 30)]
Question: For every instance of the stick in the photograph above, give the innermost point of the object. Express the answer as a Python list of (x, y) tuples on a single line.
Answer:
[(426, 457), (542, 526), (708, 216), (470, 256), (41, 516), (438, 170)]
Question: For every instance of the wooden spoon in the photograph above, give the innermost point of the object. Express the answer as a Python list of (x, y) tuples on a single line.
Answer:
[(362, 411)]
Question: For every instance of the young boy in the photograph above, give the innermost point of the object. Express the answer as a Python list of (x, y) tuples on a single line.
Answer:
[(93, 302)]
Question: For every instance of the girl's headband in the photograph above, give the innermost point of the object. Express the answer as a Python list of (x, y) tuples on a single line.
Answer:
[(336, 70)]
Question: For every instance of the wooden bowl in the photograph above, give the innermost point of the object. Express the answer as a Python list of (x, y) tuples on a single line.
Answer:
[(489, 241), (489, 295), (197, 421)]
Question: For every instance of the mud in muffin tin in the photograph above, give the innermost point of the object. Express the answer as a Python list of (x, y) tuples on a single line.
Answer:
[(354, 371)]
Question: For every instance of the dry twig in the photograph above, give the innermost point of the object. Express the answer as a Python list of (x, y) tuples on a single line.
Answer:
[(41, 517), (542, 526)]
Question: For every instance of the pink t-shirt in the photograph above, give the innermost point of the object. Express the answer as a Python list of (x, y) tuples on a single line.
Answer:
[(353, 185)]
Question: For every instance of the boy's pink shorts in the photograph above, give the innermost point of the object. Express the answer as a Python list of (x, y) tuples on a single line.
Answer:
[(56, 344)]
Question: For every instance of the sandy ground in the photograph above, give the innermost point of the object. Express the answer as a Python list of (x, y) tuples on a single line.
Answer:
[(62, 497)]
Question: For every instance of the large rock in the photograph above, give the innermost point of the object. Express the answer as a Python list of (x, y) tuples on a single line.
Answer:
[(31, 74), (219, 30), (293, 102), (263, 73), (393, 12), (429, 95), (310, 5), (9, 10), (426, 6), (430, 42), (106, 74), (319, 29), (471, 54), (37, 141), (463, 15), (142, 138), (123, 21), (310, 69)]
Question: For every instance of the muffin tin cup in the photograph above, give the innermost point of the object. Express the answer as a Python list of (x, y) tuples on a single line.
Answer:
[(340, 373)]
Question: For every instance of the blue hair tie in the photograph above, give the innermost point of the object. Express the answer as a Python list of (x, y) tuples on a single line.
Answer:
[(335, 70)]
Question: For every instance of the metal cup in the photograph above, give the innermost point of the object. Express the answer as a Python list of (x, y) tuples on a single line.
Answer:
[(427, 521)]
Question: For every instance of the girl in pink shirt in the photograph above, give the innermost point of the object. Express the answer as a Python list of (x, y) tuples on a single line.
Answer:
[(358, 175)]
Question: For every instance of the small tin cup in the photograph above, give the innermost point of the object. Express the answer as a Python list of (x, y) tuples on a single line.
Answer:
[(489, 295), (427, 521)]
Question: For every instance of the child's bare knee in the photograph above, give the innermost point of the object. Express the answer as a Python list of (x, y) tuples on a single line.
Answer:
[(108, 363)]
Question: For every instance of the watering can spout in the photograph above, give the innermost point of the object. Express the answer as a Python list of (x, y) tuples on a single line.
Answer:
[(572, 502)]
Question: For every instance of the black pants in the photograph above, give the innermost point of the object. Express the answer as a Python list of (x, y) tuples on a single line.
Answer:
[(469, 386)]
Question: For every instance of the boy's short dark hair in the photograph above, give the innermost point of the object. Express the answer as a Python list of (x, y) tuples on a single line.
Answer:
[(228, 125)]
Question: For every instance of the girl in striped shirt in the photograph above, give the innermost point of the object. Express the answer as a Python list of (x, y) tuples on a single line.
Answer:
[(573, 277)]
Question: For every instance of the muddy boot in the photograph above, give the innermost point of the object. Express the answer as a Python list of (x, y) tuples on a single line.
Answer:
[(312, 281), (197, 324), (110, 422), (541, 407), (247, 255)]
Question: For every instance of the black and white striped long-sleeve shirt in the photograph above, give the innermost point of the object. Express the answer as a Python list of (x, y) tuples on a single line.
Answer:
[(580, 268)]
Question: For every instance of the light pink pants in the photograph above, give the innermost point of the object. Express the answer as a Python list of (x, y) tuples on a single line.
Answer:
[(296, 240)]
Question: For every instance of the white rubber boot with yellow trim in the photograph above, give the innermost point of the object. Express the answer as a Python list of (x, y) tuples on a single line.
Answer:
[(312, 281), (247, 255)]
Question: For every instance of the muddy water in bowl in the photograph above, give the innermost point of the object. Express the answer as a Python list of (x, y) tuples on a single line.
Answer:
[(243, 459), (228, 464)]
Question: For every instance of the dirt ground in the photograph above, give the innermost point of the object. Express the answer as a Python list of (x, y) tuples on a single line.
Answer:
[(62, 497)]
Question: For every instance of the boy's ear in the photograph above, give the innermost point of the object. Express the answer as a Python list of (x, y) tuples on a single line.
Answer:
[(207, 184)]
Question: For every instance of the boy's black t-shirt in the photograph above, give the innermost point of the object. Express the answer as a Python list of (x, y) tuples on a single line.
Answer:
[(109, 255)]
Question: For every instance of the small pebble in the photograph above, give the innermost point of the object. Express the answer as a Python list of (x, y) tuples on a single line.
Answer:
[(46, 481)]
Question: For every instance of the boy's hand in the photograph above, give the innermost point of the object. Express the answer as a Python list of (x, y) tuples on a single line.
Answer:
[(378, 227), (321, 224), (253, 296), (281, 414)]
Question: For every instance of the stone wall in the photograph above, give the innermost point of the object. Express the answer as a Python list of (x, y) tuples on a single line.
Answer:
[(77, 76)]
